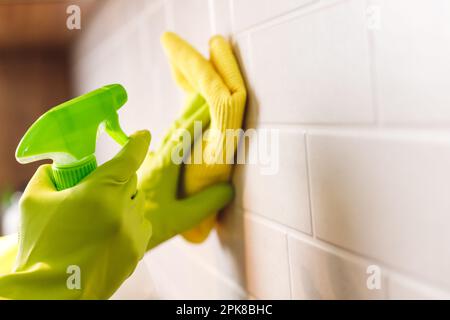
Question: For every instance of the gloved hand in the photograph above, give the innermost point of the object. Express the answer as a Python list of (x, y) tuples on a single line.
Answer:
[(95, 230), (220, 83), (159, 179)]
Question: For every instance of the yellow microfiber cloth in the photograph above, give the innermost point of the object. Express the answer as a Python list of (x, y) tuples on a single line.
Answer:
[(220, 83)]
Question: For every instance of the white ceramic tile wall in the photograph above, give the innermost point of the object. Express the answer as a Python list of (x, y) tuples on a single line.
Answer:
[(357, 93), (247, 13), (384, 195), (411, 59), (405, 288), (327, 79), (285, 172), (322, 272), (266, 260)]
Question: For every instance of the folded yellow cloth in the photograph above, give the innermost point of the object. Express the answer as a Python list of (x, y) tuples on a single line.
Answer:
[(220, 83)]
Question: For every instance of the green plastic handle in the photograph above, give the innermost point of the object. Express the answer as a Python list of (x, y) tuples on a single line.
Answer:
[(67, 134)]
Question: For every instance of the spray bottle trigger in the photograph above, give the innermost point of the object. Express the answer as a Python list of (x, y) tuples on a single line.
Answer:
[(112, 127)]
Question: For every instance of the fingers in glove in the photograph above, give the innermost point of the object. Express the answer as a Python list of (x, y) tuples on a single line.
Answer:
[(177, 149), (130, 188), (195, 103), (181, 140), (203, 204), (179, 78)]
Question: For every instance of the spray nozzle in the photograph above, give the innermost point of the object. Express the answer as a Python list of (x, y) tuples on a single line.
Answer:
[(67, 134)]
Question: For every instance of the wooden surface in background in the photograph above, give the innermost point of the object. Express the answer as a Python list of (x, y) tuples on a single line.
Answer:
[(34, 72), (38, 23), (30, 83)]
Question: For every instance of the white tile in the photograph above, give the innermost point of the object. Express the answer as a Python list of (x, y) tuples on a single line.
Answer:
[(223, 250), (274, 181), (138, 286), (384, 195), (266, 260), (165, 98), (191, 20), (165, 286), (314, 68), (136, 114), (181, 276), (103, 24), (321, 273), (247, 13), (405, 288), (411, 59), (220, 17)]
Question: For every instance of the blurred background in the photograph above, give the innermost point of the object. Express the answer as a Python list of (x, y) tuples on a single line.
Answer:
[(356, 89), (35, 74)]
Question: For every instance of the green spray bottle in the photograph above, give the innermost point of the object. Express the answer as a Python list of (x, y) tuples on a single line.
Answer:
[(67, 134)]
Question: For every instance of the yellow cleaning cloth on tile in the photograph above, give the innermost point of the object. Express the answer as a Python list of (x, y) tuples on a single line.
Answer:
[(220, 83)]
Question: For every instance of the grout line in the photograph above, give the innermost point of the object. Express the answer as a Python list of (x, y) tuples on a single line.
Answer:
[(361, 125), (346, 253), (271, 223), (383, 131), (432, 290), (314, 124), (291, 278), (309, 184), (271, 220)]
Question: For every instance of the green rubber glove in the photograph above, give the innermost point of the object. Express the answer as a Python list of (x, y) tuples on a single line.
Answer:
[(159, 177), (95, 230)]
